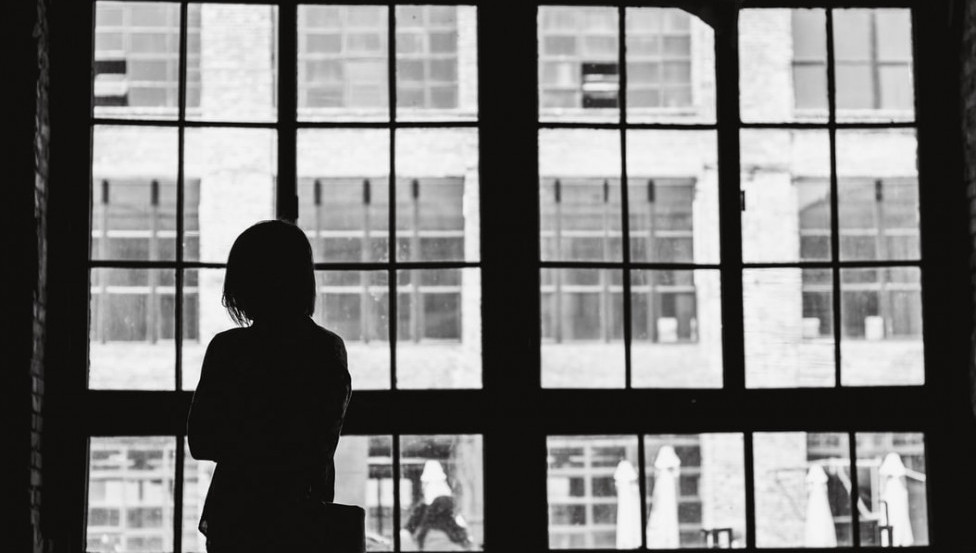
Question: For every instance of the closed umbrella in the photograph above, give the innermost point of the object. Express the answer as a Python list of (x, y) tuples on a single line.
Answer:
[(820, 530), (628, 506), (662, 525), (894, 492)]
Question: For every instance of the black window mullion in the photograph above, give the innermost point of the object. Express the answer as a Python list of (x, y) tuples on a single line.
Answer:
[(624, 199), (750, 489), (834, 204), (392, 281), (286, 194), (396, 474), (515, 420), (730, 236), (730, 223), (855, 492), (178, 282)]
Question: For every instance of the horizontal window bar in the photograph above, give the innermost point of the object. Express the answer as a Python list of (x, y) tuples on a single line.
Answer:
[(124, 264), (621, 265), (591, 125), (646, 410), (435, 124), (831, 264), (369, 266), (837, 125)]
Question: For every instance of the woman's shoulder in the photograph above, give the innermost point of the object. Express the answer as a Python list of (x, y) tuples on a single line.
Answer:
[(230, 336), (323, 337)]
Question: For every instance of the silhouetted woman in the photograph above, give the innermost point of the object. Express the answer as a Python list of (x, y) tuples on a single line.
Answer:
[(271, 400)]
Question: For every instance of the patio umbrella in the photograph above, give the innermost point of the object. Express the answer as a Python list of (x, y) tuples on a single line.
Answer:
[(819, 529), (894, 492), (662, 525), (628, 506)]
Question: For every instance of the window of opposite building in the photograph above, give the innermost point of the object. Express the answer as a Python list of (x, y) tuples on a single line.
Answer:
[(873, 60), (578, 64)]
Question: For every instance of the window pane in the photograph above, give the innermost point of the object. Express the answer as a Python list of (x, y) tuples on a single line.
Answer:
[(579, 195), (364, 477), (355, 305), (203, 317), (584, 41), (197, 476), (894, 28), (582, 328), (442, 508), (348, 84), (785, 177), (810, 81), (782, 65), (130, 494), (136, 60), (878, 193), (788, 319), (696, 492), (673, 196), (891, 481), (802, 489), (238, 66), (446, 45), (855, 86), (682, 47), (437, 208), (236, 170), (132, 323), (594, 500), (134, 193), (852, 35), (676, 325), (343, 193), (439, 328), (874, 64), (881, 316), (897, 90)]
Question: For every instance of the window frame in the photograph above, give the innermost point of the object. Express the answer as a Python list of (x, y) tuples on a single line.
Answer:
[(512, 411)]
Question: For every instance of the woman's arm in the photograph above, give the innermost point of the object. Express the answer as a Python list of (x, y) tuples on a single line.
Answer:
[(209, 427), (332, 408)]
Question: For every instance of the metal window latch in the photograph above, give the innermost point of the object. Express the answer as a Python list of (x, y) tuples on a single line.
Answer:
[(742, 200)]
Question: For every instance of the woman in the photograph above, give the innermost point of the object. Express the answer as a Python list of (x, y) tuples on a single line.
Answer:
[(271, 400)]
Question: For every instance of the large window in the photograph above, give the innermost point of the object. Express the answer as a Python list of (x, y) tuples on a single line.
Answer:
[(192, 138), (609, 277)]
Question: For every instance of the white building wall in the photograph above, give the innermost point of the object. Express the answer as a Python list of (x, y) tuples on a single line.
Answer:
[(236, 169)]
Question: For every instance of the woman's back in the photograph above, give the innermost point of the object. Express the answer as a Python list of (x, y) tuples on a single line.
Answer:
[(271, 399), (269, 410)]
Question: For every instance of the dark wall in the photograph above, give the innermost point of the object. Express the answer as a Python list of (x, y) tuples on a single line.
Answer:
[(968, 107), (23, 197)]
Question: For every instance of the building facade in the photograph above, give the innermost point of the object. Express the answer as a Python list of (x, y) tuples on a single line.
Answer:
[(346, 197)]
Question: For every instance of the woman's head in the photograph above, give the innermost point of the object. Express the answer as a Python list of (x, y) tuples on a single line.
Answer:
[(269, 274)]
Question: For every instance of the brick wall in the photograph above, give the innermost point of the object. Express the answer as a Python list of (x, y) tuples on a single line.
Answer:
[(42, 135), (968, 95), (23, 199)]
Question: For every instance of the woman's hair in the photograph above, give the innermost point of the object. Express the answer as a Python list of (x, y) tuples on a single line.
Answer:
[(269, 274)]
